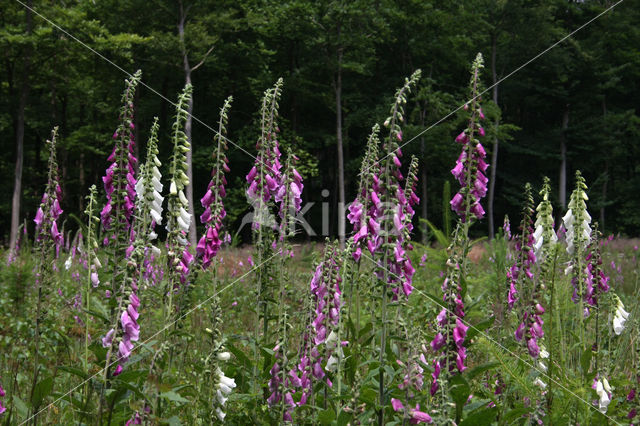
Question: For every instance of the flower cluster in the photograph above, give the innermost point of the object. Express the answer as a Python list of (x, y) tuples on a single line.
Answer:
[(265, 178), (325, 288), (392, 211), (525, 242), (49, 210), (289, 197), (415, 415), (400, 264), (577, 220), (544, 235), (596, 281), (179, 218), (363, 207), (148, 189), (520, 275), (577, 223), (223, 388), (620, 317), (281, 384), (119, 181), (602, 388), (448, 343), (214, 211), (471, 166), (130, 328)]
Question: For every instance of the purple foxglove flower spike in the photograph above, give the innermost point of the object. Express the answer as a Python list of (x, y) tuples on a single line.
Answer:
[(211, 241)]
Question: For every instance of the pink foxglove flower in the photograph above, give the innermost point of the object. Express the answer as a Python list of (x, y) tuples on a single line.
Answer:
[(49, 210), (471, 165), (2, 395), (119, 180), (265, 177), (214, 211)]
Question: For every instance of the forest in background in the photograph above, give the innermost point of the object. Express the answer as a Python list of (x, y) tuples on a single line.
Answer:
[(574, 107)]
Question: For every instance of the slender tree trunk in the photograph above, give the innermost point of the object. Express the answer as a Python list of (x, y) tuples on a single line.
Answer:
[(17, 181), (494, 151), (562, 191), (606, 174), (341, 195), (187, 130)]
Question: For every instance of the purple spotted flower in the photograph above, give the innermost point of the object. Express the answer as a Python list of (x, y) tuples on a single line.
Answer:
[(49, 211), (214, 211), (471, 165), (130, 328), (119, 180)]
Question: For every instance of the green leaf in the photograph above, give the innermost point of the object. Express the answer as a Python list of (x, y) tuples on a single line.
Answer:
[(41, 391), (585, 360), (443, 239), (240, 356), (460, 391), (23, 410), (481, 417), (173, 421), (174, 397), (343, 418), (518, 411), (325, 417)]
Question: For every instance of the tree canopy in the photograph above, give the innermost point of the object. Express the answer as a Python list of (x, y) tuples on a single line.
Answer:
[(580, 96)]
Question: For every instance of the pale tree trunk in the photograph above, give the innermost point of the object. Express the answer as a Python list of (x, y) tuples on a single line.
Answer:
[(17, 181), (339, 147), (562, 190), (494, 151), (187, 129)]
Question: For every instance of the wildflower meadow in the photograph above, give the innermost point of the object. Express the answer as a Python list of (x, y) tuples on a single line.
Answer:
[(114, 314), (111, 324)]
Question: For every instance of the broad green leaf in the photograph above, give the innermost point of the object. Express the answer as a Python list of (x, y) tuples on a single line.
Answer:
[(174, 397), (325, 417), (41, 391)]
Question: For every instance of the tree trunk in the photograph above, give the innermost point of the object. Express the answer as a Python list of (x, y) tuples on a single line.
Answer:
[(17, 181), (606, 174), (562, 191), (187, 131), (341, 195), (494, 151)]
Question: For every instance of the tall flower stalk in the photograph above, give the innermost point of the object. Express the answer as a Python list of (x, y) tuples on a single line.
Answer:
[(220, 385), (448, 343), (93, 263), (214, 211), (264, 181), (178, 217), (577, 223), (361, 209), (149, 200), (521, 276), (48, 240), (387, 223), (117, 219)]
